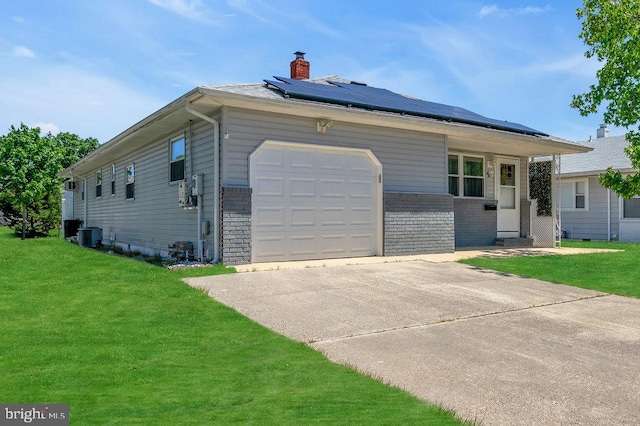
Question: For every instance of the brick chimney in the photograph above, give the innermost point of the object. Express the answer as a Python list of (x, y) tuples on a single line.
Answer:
[(299, 67), (603, 131)]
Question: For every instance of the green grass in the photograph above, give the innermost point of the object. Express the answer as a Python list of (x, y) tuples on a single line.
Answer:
[(125, 342), (616, 273)]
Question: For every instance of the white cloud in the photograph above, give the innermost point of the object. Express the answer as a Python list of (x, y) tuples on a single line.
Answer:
[(244, 7), (577, 65), (190, 9), (23, 52), (18, 19), (46, 128), (503, 13), (488, 10), (77, 101)]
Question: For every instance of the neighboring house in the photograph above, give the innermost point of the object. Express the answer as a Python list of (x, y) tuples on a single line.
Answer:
[(588, 210), (301, 168)]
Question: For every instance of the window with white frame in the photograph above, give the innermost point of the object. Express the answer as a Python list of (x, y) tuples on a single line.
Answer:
[(130, 182), (176, 165), (113, 179), (574, 195), (99, 183), (466, 175), (631, 208)]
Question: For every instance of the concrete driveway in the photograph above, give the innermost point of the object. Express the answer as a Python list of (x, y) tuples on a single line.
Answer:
[(495, 348)]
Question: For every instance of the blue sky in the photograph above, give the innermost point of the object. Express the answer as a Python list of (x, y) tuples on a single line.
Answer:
[(97, 67)]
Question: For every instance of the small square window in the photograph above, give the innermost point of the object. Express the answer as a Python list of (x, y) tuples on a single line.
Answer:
[(631, 208), (573, 195)]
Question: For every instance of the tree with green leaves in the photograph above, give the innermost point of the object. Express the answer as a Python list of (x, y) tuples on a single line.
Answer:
[(611, 30), (29, 183)]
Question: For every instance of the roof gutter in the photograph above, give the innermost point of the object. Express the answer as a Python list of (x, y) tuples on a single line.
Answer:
[(120, 139), (387, 119)]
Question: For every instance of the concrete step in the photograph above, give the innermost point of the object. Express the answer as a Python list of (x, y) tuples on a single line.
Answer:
[(514, 242)]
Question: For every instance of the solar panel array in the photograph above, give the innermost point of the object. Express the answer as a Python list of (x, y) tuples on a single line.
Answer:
[(376, 99)]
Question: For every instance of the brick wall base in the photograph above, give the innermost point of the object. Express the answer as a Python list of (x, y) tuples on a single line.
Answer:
[(236, 225), (475, 226), (418, 223)]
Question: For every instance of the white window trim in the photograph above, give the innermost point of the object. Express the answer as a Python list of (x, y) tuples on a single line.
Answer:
[(113, 188), (171, 141), (621, 210), (133, 180), (573, 195), (99, 175), (461, 176)]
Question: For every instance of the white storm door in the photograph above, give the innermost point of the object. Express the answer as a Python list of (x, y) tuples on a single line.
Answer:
[(508, 194)]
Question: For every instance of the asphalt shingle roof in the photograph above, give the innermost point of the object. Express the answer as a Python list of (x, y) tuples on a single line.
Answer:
[(606, 152)]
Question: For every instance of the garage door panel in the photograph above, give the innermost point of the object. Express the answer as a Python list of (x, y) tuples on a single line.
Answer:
[(303, 216), (332, 216), (361, 244), (333, 245), (362, 189), (332, 187), (313, 202), (270, 186), (362, 217), (302, 187), (274, 158), (301, 160), (270, 216)]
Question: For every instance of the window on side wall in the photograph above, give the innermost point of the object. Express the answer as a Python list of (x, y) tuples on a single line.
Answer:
[(466, 175), (631, 208), (574, 195), (176, 165), (99, 183), (130, 181), (113, 179)]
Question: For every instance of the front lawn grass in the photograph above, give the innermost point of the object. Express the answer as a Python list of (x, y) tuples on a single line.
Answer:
[(616, 273), (125, 342)]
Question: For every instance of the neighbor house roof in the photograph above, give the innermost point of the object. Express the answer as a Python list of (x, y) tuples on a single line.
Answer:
[(607, 152)]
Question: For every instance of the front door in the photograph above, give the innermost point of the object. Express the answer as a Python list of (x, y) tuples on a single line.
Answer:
[(508, 193)]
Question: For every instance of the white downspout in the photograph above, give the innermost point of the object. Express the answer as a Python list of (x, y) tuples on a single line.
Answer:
[(86, 203), (608, 214), (216, 186)]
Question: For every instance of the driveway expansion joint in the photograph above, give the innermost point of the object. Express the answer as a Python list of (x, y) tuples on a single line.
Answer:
[(450, 320)]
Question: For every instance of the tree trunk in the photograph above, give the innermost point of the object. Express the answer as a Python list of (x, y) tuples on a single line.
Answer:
[(24, 222)]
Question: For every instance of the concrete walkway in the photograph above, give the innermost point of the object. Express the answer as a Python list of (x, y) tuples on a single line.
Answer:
[(436, 258), (495, 348)]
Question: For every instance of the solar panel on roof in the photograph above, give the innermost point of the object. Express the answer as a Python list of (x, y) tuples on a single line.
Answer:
[(374, 98)]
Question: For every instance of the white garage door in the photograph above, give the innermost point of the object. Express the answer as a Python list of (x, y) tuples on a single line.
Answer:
[(314, 202)]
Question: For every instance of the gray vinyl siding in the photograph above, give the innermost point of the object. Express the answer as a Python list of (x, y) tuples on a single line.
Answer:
[(592, 224), (153, 219), (412, 161)]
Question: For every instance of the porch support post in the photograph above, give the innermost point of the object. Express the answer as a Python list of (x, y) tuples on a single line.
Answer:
[(555, 201)]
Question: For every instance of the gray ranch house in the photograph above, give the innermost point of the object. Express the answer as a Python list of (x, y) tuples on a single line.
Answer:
[(589, 211), (298, 168)]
